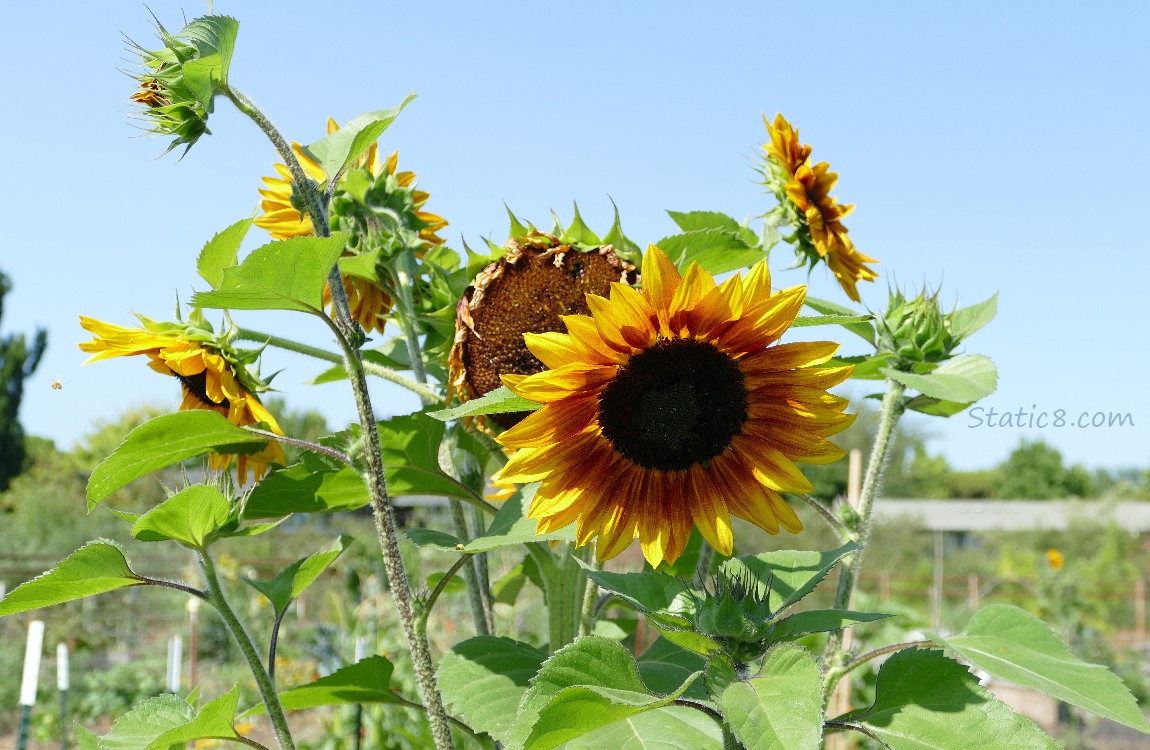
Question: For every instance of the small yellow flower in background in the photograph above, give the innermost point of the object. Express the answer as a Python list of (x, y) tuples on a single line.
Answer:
[(816, 214), (370, 304), (212, 377), (1055, 559), (675, 407)]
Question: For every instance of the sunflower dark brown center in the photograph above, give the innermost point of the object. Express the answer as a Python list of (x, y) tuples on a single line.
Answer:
[(197, 385), (675, 405)]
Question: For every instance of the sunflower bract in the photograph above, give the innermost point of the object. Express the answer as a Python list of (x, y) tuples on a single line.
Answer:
[(675, 407)]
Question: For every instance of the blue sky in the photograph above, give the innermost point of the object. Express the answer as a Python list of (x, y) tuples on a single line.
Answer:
[(987, 146)]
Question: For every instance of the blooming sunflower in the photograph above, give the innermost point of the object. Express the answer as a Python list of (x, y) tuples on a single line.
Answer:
[(369, 302), (808, 188), (537, 281), (211, 379), (674, 407)]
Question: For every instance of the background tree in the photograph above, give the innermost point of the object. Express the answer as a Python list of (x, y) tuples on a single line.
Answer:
[(18, 360), (1035, 471)]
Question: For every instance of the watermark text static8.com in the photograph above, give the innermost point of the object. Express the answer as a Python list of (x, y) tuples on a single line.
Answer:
[(983, 416)]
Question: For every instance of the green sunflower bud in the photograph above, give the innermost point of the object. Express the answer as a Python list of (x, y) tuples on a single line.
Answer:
[(916, 331), (735, 613)]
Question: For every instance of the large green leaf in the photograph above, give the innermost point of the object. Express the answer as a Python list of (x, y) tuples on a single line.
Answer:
[(648, 591), (586, 662), (782, 709), (410, 446), (166, 440), (925, 701), (669, 728), (189, 517), (222, 251), (665, 666), (510, 527), (95, 568), (963, 379), (168, 720), (862, 329), (215, 38), (483, 680), (282, 275), (497, 401), (695, 220), (819, 621), (337, 151), (306, 488), (290, 582), (967, 320), (366, 681), (1013, 645), (788, 574), (715, 250)]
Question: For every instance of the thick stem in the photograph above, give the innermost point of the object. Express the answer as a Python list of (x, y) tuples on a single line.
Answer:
[(479, 613), (590, 600), (892, 409), (251, 656)]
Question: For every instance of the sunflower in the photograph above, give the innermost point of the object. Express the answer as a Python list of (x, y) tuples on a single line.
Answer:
[(210, 379), (674, 407), (369, 303), (807, 188), (537, 281)]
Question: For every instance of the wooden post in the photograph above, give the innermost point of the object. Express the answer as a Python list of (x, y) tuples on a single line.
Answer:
[(973, 591), (936, 588), (884, 586), (1140, 609)]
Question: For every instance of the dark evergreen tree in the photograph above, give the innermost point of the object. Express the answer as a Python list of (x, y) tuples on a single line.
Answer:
[(18, 360)]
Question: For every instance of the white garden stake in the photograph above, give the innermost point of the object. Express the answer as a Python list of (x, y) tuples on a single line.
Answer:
[(175, 658), (30, 679)]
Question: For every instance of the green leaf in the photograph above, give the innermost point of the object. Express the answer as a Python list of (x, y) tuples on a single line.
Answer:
[(865, 368), (517, 228), (865, 330), (670, 728), (222, 251), (97, 567), (695, 220), (431, 538), (509, 527), (86, 739), (935, 407), (483, 680), (410, 445), (783, 708), (819, 621), (497, 401), (290, 582), (576, 711), (588, 662), (664, 667), (166, 440), (688, 639), (215, 38), (506, 589), (579, 232), (925, 701), (624, 247), (304, 488), (719, 674), (281, 275), (167, 721), (715, 250), (829, 320), (366, 681), (789, 574), (1013, 645), (338, 150), (189, 517), (647, 591), (963, 379), (967, 320)]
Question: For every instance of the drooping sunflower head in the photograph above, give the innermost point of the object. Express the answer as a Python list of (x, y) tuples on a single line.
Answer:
[(537, 282), (212, 374), (674, 407), (805, 203)]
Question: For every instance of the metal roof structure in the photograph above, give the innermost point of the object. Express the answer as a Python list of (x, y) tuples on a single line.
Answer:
[(1014, 515)]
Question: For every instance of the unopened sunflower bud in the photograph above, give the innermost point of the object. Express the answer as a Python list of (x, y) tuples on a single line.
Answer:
[(916, 330), (736, 613)]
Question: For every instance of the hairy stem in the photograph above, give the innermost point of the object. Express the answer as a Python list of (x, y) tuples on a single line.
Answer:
[(839, 527), (251, 656)]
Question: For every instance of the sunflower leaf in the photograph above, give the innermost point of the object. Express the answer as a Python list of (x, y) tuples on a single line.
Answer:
[(431, 538), (282, 275), (1013, 645), (168, 720), (781, 708), (215, 38), (818, 621), (664, 667), (715, 250), (667, 728), (649, 592), (788, 575), (964, 379), (967, 320), (935, 407), (483, 680), (510, 527), (337, 151), (166, 440), (410, 446), (498, 401), (865, 368), (306, 488), (222, 251), (925, 700), (366, 681), (290, 582), (190, 517), (694, 220), (96, 568), (861, 328), (829, 320)]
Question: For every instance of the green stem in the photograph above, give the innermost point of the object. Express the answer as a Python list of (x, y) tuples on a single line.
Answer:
[(247, 648), (590, 600), (892, 408), (439, 587), (839, 527), (350, 338), (427, 394)]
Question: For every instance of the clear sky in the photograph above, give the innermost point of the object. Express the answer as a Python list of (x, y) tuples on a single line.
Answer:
[(988, 147)]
